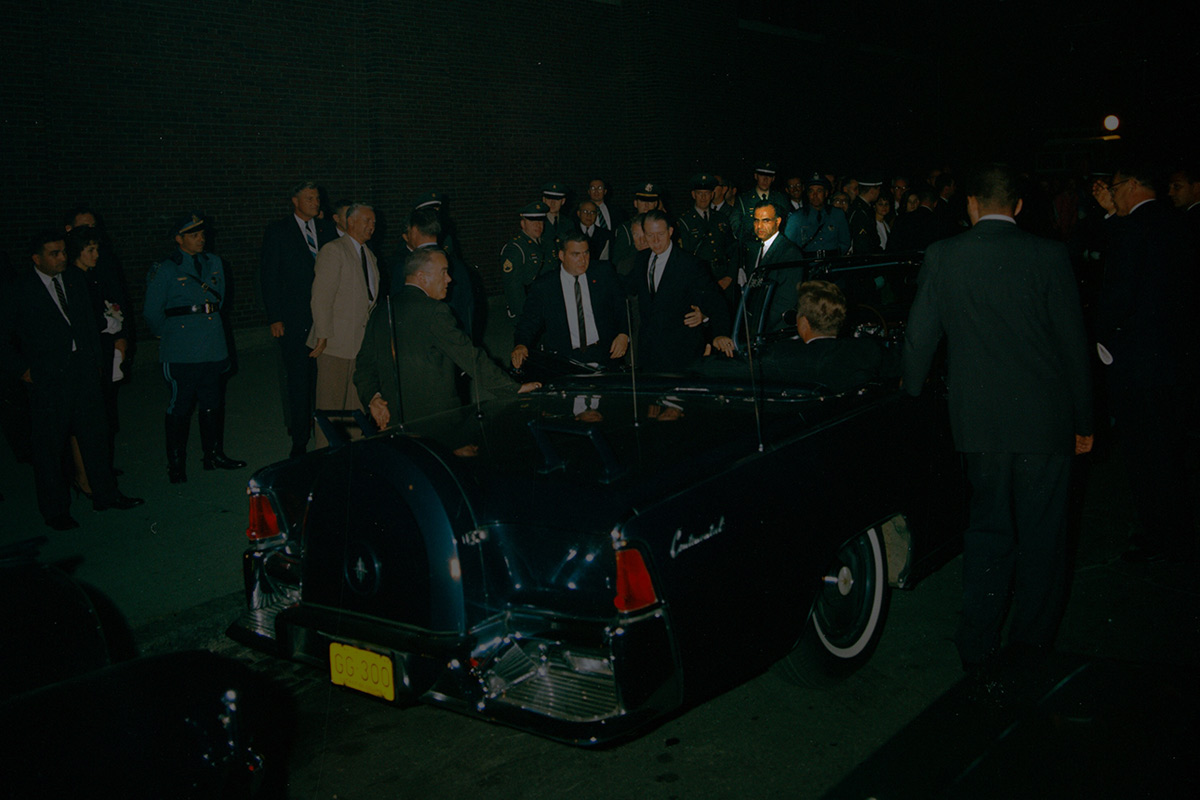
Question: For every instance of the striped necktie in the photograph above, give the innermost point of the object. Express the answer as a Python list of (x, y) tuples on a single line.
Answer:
[(310, 238)]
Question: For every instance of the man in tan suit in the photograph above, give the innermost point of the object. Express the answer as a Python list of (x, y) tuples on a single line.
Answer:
[(345, 288)]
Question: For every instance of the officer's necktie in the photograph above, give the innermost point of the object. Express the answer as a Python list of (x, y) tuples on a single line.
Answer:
[(362, 251), (579, 314), (62, 296), (308, 235), (704, 214), (653, 263)]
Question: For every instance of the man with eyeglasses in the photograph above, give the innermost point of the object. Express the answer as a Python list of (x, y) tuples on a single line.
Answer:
[(1144, 314), (607, 216)]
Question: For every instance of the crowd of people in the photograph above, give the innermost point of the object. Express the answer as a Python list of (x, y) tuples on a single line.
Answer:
[(398, 343)]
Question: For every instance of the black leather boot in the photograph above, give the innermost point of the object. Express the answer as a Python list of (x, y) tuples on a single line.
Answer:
[(212, 435), (177, 435)]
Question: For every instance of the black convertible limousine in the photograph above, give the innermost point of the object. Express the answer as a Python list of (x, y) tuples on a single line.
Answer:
[(588, 558)]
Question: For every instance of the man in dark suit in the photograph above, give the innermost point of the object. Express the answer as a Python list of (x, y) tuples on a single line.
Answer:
[(289, 251), (1020, 407), (413, 350), (599, 240), (918, 229), (577, 311), (607, 215), (48, 320), (772, 247), (425, 230), (1144, 326), (676, 295), (1184, 190), (818, 356)]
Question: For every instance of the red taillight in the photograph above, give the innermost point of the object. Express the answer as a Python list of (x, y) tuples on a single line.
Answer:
[(263, 522), (635, 590)]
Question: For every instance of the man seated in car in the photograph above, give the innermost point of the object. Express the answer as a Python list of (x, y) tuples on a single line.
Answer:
[(817, 356)]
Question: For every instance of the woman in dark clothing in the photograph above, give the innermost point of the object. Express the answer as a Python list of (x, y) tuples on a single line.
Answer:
[(108, 303)]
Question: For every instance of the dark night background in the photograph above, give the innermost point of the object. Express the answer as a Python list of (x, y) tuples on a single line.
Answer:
[(148, 109)]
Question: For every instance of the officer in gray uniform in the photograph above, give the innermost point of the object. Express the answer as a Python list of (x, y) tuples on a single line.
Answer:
[(818, 229), (184, 293), (521, 260)]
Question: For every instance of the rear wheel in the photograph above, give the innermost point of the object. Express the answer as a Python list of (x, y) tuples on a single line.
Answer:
[(847, 616)]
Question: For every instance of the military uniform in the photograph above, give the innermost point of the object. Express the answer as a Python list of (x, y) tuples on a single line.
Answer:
[(556, 229), (522, 260), (707, 234), (741, 212), (864, 235), (184, 295)]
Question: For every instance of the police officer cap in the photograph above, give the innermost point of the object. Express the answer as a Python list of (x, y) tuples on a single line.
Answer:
[(765, 167), (870, 179), (648, 192), (555, 191), (817, 179), (702, 180), (188, 223), (535, 211), (429, 199)]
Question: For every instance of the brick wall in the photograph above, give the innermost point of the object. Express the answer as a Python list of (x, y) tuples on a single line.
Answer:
[(149, 109)]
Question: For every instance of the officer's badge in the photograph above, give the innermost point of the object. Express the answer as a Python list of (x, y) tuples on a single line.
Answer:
[(649, 188), (508, 265)]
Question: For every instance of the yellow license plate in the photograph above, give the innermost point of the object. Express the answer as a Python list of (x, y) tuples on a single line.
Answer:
[(363, 670)]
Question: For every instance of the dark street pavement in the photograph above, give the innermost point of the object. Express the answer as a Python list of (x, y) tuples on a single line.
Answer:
[(172, 568)]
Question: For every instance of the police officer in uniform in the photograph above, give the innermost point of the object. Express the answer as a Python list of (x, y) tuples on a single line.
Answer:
[(184, 294), (818, 229), (705, 233), (521, 260)]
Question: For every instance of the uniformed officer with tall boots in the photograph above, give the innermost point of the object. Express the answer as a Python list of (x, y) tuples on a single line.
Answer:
[(184, 294)]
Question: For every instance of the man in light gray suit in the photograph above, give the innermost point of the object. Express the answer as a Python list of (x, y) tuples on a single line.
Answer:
[(345, 288)]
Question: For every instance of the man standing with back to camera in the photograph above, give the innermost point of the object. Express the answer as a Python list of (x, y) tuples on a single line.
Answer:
[(1020, 407)]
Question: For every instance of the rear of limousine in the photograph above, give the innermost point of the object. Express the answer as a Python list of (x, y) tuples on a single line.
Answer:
[(371, 562)]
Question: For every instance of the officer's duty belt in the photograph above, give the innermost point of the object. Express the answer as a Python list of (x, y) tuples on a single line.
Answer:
[(203, 308)]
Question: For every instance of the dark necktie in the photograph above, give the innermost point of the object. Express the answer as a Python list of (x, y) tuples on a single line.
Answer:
[(653, 263), (62, 296), (579, 313), (600, 219), (308, 235), (362, 251), (704, 214)]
